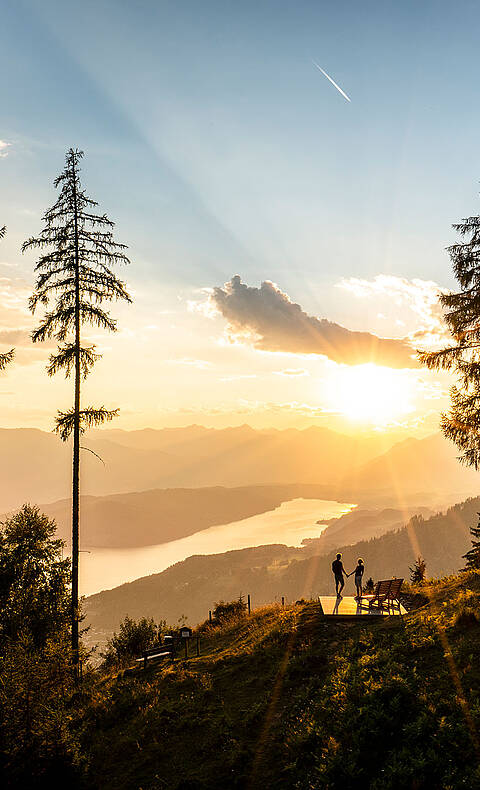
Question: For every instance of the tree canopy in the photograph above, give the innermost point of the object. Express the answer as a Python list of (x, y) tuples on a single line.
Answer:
[(462, 315), (34, 577)]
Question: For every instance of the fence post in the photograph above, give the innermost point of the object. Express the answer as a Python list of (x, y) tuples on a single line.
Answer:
[(248, 602), (210, 615), (186, 646), (283, 600)]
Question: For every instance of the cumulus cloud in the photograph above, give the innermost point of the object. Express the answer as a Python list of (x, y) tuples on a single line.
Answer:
[(418, 296), (267, 318), (3, 148)]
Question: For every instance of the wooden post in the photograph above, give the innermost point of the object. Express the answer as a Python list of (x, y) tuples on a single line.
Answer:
[(283, 601), (198, 645), (210, 615), (248, 602), (186, 647)]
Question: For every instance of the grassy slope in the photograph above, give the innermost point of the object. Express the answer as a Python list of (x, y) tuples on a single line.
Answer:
[(287, 700)]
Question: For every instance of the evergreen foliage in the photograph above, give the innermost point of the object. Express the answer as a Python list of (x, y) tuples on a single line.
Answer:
[(472, 556), (7, 356), (74, 280), (417, 571), (462, 315)]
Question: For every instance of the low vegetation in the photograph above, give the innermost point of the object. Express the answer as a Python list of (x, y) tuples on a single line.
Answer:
[(281, 698), (284, 699)]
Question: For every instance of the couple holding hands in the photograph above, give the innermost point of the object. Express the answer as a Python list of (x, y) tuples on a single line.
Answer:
[(339, 572)]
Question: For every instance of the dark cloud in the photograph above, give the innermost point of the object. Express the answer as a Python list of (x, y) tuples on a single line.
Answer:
[(272, 322)]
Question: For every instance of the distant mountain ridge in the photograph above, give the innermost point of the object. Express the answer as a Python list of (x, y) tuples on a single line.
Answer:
[(35, 465)]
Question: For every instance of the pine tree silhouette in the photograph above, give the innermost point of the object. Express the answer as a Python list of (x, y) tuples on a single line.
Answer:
[(418, 571), (462, 315), (473, 555), (7, 356), (74, 279)]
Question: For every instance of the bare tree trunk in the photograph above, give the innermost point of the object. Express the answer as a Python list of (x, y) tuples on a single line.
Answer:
[(76, 447)]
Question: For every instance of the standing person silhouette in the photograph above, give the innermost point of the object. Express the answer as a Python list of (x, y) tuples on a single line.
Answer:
[(359, 571), (338, 571)]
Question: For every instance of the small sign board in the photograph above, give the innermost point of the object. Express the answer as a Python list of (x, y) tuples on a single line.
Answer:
[(185, 632)]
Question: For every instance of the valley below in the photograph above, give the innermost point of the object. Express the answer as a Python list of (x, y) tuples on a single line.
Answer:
[(290, 523)]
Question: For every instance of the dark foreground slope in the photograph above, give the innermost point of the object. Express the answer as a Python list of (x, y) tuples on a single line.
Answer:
[(284, 699), (269, 572)]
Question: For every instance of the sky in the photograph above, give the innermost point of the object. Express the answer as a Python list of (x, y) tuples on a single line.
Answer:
[(267, 217)]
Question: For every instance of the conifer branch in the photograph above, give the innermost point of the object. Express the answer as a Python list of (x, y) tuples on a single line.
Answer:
[(89, 418), (462, 315), (6, 358), (64, 359)]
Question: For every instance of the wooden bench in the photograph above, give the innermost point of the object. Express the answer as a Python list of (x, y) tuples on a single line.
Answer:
[(158, 651), (386, 591)]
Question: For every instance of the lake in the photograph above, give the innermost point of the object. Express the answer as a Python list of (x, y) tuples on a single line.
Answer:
[(290, 523)]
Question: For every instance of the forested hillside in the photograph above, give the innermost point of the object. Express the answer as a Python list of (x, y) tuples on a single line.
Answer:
[(152, 517), (270, 572)]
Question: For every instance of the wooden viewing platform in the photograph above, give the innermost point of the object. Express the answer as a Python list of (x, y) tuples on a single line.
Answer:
[(347, 608)]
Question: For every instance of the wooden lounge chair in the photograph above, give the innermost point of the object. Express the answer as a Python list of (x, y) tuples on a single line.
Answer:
[(386, 591)]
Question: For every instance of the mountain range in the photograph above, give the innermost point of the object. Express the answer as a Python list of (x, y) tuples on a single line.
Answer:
[(35, 466)]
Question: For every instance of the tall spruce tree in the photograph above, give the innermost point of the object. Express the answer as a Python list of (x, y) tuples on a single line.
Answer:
[(472, 556), (74, 279), (7, 356), (462, 315)]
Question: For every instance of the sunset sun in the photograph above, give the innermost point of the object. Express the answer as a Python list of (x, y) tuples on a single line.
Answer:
[(371, 394)]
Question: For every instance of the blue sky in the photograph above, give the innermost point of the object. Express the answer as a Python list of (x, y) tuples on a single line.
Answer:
[(219, 148)]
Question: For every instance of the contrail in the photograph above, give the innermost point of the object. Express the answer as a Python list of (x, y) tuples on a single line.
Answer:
[(332, 81)]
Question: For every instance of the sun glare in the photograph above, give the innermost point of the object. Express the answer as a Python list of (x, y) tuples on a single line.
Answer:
[(371, 394)]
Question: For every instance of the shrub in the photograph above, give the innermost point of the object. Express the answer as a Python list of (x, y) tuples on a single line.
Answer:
[(133, 638), (418, 571), (228, 610), (466, 618)]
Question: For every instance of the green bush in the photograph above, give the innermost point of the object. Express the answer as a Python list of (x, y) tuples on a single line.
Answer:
[(133, 638)]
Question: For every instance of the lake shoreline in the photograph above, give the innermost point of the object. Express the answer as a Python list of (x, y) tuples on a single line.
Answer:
[(289, 524)]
